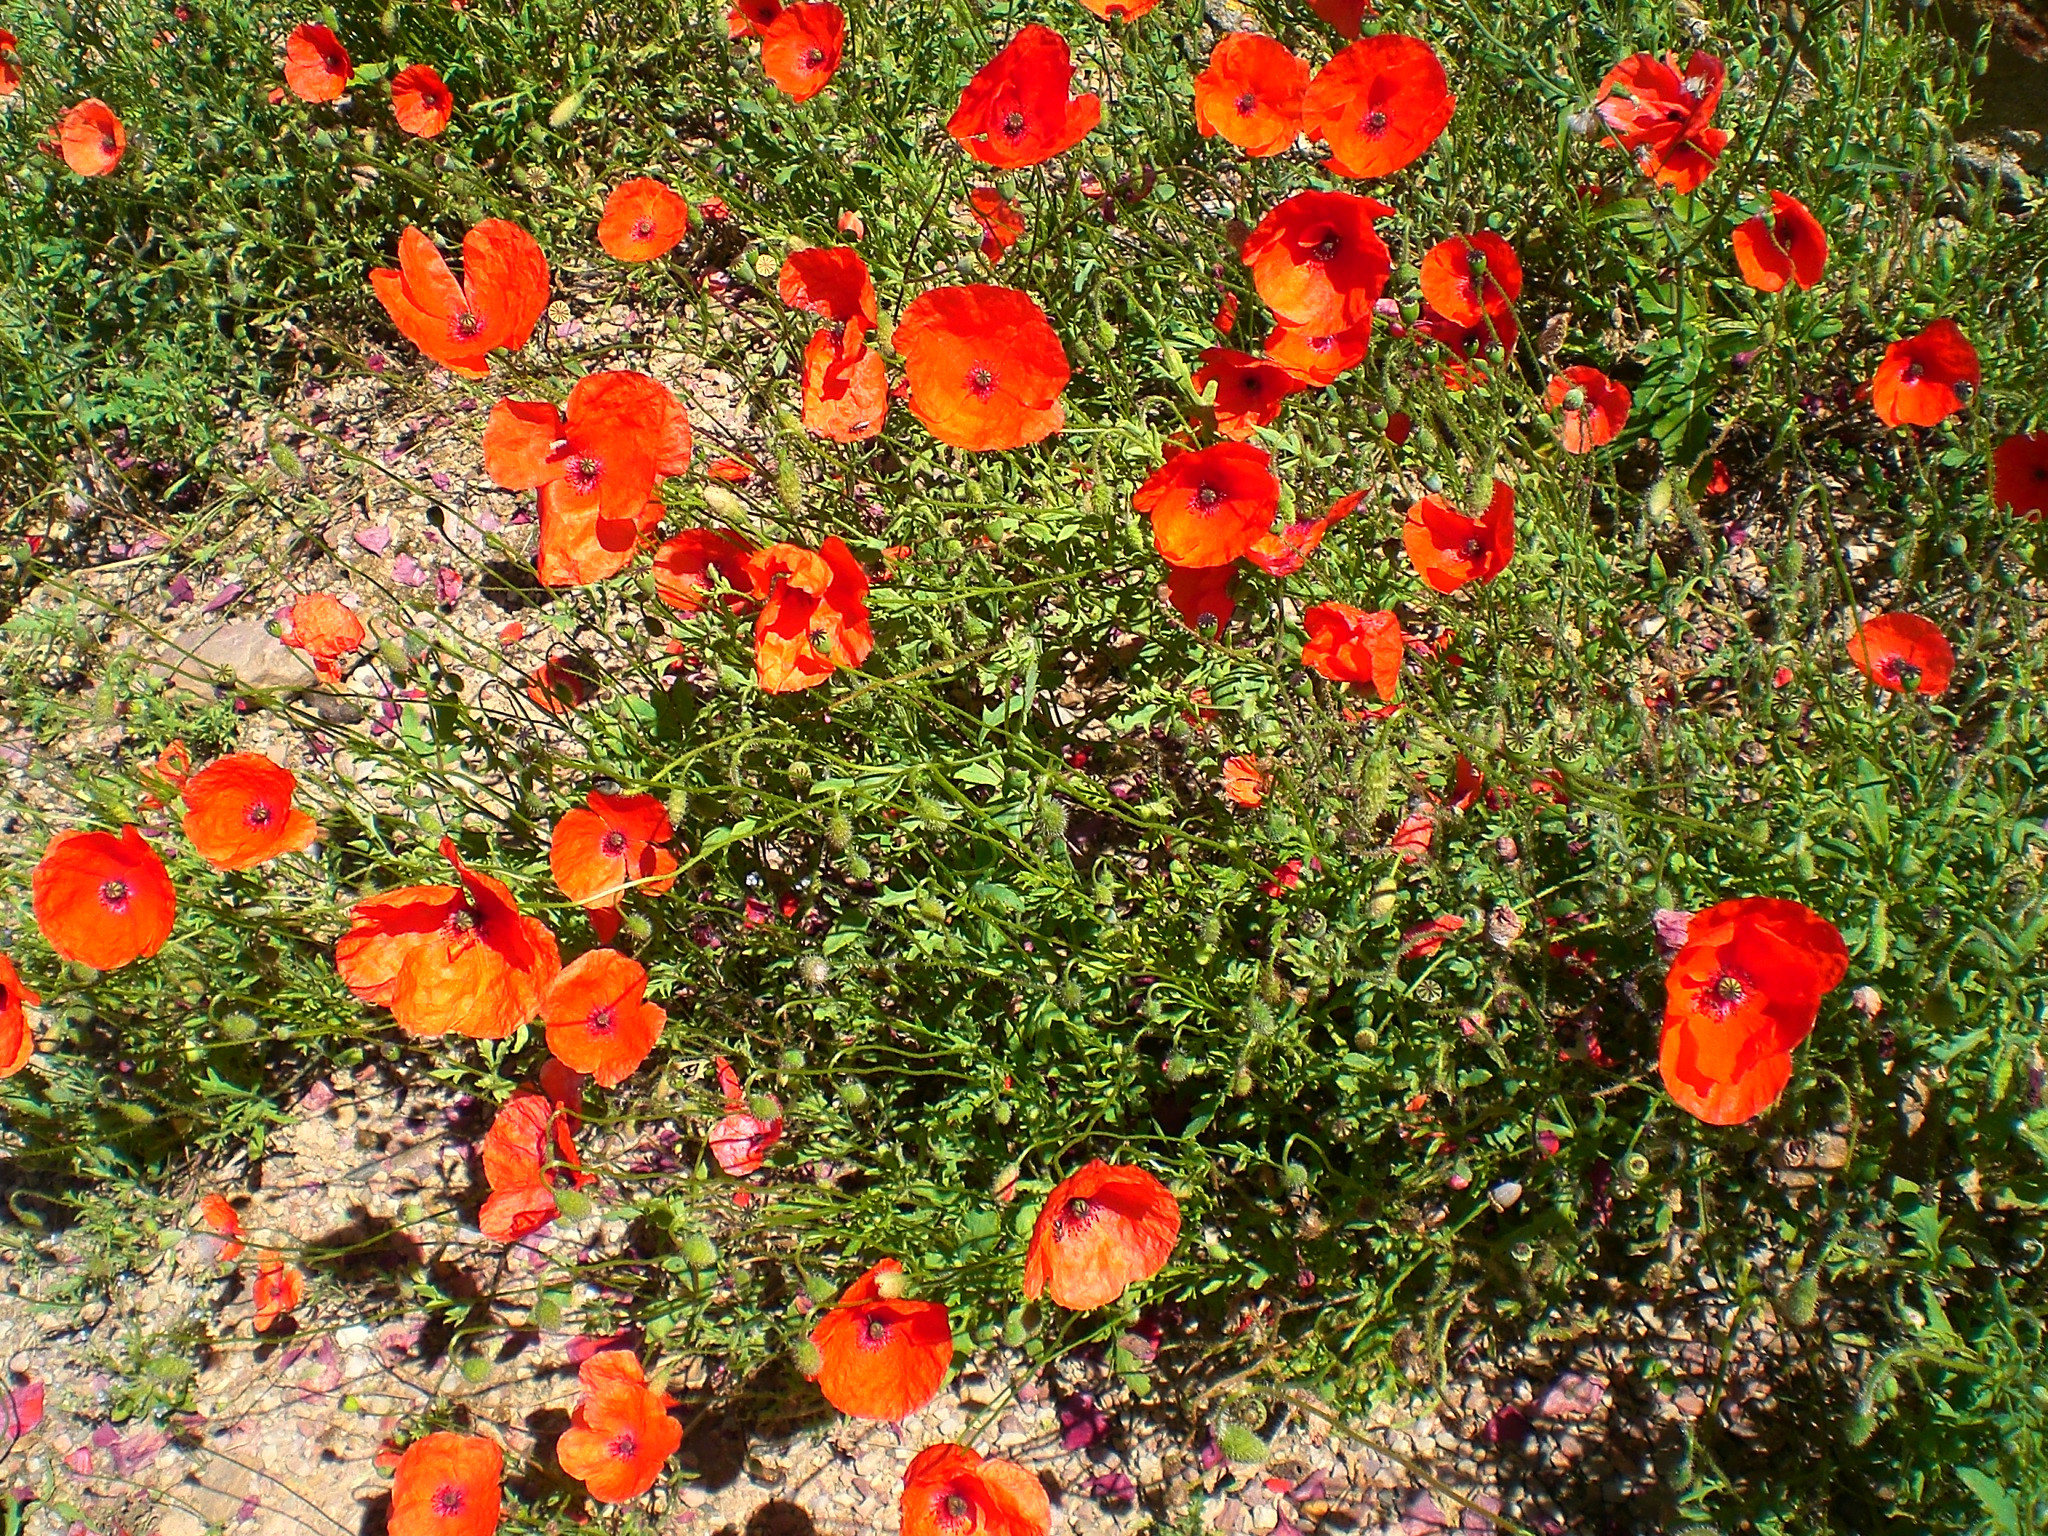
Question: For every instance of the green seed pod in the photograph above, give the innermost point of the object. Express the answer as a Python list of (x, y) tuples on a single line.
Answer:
[(839, 831), (698, 1251), (789, 484), (853, 1093), (1799, 1301), (1240, 1446), (1051, 819), (800, 776), (572, 1203), (1177, 1068), (1636, 1166)]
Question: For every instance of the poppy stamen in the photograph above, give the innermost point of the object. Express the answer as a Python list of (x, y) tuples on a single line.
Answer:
[(1375, 123), (257, 815), (449, 1499), (461, 920), (1326, 248), (644, 229), (954, 1509), (1911, 373), (1246, 103), (623, 1447), (614, 844), (115, 894), (1013, 126), (1903, 675), (584, 473), (468, 325), (981, 381), (602, 1020), (875, 1331), (1208, 496)]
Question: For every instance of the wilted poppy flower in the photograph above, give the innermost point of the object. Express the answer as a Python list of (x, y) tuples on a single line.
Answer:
[(528, 1152), (741, 1140), (2019, 474), (801, 47), (325, 626), (984, 366), (1449, 549), (420, 101), (1925, 379), (1378, 104), (502, 295), (10, 68), (814, 614), (1209, 506), (643, 219), (1786, 246), (444, 959), (949, 1490), (750, 18), (1425, 939), (1249, 390), (1251, 94), (612, 844), (1663, 118), (278, 1290), (1742, 992), (103, 899), (225, 1223), (1201, 591), (1244, 781), (620, 1432), (1350, 645), (1318, 354), (1470, 277), (1002, 226), (92, 138), (239, 813), (17, 1036), (1903, 653), (1318, 262), (563, 683), (881, 1355), (597, 1018), (1102, 1228), (683, 567), (316, 66), (447, 1485), (1015, 111), (1593, 408), (1285, 552)]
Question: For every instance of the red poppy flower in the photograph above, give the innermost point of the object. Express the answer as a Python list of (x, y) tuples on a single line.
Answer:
[(985, 367), (597, 1019), (447, 1485), (1350, 645), (1318, 262), (92, 138), (949, 1490), (683, 567), (444, 959), (103, 899), (1015, 111), (1903, 653), (17, 1036), (1201, 591), (845, 397), (1663, 118), (619, 434), (801, 47), (1925, 379), (1102, 1228), (750, 18), (832, 283), (1379, 104), (1425, 939), (1251, 94), (1002, 226), (1449, 549), (1742, 992), (1347, 16), (2019, 474), (528, 1152), (225, 1223), (1788, 246), (614, 844), (239, 813), (1209, 506), (10, 68), (1120, 10), (643, 219), (316, 66), (420, 101), (1594, 408), (278, 1290), (882, 1355), (741, 1140), (621, 1432), (1470, 277), (1285, 552), (1249, 390), (502, 295), (1319, 355), (814, 614), (325, 626), (1244, 781), (563, 683), (1466, 344)]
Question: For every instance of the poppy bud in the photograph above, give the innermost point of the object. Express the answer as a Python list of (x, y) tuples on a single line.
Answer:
[(1241, 1084), (1295, 1177), (572, 1203), (565, 111), (1800, 1300), (1210, 930), (853, 1093), (857, 866), (721, 502), (387, 21), (698, 1251), (813, 971), (892, 1284), (808, 1361), (839, 831), (1051, 819), (1258, 1018), (1240, 1446), (1177, 1068), (931, 909), (1862, 1423), (789, 484), (1658, 502), (637, 927), (1071, 996)]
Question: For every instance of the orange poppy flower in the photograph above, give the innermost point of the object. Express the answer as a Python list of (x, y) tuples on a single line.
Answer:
[(1119, 10), (1347, 16), (615, 843), (831, 282), (1787, 246), (529, 1150), (597, 1020), (1594, 407), (619, 434), (502, 295), (683, 567), (580, 545), (2019, 474), (1925, 379), (1740, 995), (1318, 262), (1244, 781), (1903, 653), (1379, 104), (643, 219), (563, 683), (882, 1355), (1319, 355), (10, 68), (814, 614), (1102, 1228), (1285, 552), (239, 812), (1249, 390), (1015, 111), (1350, 645), (1209, 506), (1470, 277), (1663, 118), (278, 1291), (845, 398), (1251, 94), (1449, 549), (1201, 591), (1002, 226), (985, 367), (17, 1036), (92, 138), (324, 625), (620, 1432), (316, 66), (949, 1490), (103, 900), (444, 959), (225, 1223), (447, 1485), (801, 47), (750, 18), (421, 101), (741, 1140)]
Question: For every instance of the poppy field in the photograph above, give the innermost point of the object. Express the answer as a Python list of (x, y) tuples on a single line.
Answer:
[(1266, 694)]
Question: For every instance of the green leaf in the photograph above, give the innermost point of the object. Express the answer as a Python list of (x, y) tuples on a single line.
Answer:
[(1998, 1504)]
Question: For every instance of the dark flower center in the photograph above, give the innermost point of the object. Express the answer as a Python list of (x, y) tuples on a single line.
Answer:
[(1013, 126), (1205, 497), (623, 1447), (1912, 373), (115, 894), (1725, 994), (875, 1331), (1901, 674), (1375, 123), (1325, 249), (955, 1508), (257, 815), (468, 324), (643, 229), (449, 1499), (981, 381), (332, 61), (614, 844), (603, 1020), (1246, 103), (1474, 548), (814, 58), (461, 920)]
